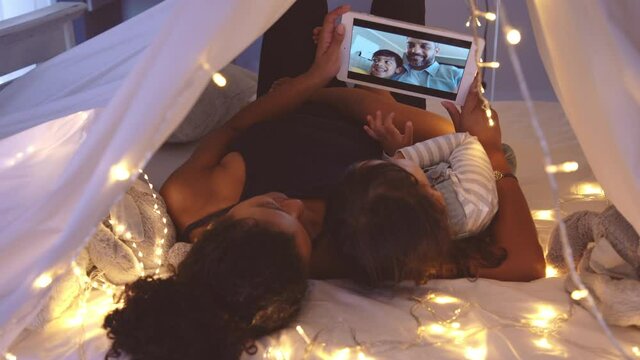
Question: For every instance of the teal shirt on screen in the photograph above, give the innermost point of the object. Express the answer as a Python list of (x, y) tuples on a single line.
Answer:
[(435, 76)]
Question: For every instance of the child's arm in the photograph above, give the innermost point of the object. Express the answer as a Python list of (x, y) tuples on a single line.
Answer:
[(472, 175)]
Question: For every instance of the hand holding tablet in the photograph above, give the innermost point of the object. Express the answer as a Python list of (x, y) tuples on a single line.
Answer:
[(407, 58)]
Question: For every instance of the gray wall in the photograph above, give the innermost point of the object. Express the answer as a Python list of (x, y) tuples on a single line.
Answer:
[(452, 15)]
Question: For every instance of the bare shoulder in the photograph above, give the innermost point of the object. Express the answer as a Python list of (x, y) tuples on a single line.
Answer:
[(192, 192)]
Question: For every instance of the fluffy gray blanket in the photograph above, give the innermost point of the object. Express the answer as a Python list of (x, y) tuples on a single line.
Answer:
[(606, 249)]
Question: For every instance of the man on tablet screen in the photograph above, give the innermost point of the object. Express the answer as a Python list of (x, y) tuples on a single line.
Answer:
[(422, 68)]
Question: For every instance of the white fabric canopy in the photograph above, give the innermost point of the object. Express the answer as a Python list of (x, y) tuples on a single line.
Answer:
[(143, 76), (591, 51), (51, 210)]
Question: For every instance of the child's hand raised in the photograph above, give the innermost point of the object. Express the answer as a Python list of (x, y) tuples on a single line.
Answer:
[(385, 132), (315, 35)]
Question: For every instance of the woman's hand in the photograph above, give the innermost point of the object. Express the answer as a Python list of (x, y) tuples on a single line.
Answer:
[(327, 61), (473, 119), (385, 132)]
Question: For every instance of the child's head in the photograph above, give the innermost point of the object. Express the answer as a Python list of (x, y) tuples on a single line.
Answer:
[(386, 224), (385, 64)]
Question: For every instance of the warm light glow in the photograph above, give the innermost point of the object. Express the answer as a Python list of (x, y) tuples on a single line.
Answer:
[(219, 79), (120, 172), (128, 235), (579, 294), (10, 356), (513, 36), (455, 325), (548, 215), (300, 331), (551, 272), (587, 189), (278, 353), (436, 329), (119, 229), (491, 65), (362, 356), (543, 343), (475, 353), (490, 16), (43, 281), (544, 319), (468, 23), (342, 354), (636, 351), (443, 299), (566, 167)]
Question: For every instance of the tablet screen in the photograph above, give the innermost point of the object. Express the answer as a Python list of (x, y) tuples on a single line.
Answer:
[(406, 59)]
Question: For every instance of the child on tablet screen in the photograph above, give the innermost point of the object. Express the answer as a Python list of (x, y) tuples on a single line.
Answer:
[(385, 64)]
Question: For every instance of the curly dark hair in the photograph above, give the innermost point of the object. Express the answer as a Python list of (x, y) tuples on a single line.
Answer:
[(383, 224), (240, 281), (378, 220)]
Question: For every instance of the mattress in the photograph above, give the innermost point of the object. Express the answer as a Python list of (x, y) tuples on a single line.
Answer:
[(444, 319)]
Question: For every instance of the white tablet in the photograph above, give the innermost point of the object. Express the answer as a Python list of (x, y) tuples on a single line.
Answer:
[(407, 58)]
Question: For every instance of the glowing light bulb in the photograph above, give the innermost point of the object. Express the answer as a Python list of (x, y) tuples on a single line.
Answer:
[(543, 343), (10, 356), (302, 334), (436, 329), (128, 235), (219, 79), (342, 354), (636, 351), (119, 229), (551, 272), (444, 299), (491, 64), (475, 353), (579, 294), (490, 16), (587, 189), (455, 325), (547, 215), (120, 172), (565, 167), (513, 36), (43, 281)]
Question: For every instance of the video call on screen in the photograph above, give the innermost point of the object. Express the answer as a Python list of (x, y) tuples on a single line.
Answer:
[(405, 59)]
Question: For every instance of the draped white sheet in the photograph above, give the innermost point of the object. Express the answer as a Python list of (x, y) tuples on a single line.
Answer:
[(55, 202), (591, 51)]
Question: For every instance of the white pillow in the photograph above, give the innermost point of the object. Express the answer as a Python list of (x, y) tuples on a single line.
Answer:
[(217, 104)]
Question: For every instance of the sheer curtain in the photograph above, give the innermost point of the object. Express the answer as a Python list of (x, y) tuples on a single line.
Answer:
[(591, 51), (197, 38)]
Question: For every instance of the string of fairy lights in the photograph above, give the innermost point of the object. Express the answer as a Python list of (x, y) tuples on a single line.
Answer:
[(448, 313), (512, 35)]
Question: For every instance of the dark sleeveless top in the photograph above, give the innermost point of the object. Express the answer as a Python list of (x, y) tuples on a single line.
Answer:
[(303, 155)]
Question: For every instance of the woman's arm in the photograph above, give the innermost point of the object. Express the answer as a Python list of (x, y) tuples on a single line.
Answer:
[(358, 103), (512, 228)]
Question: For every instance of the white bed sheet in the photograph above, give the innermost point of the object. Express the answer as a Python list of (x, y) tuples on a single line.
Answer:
[(384, 323)]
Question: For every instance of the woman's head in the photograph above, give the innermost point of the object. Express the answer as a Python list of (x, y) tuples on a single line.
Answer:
[(240, 281), (386, 223)]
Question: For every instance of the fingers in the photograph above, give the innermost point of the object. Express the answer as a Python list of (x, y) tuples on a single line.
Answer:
[(407, 137), (328, 26), (315, 35), (389, 127), (454, 113), (371, 133)]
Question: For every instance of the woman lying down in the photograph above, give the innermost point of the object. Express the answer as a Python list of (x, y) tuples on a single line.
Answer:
[(346, 213)]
